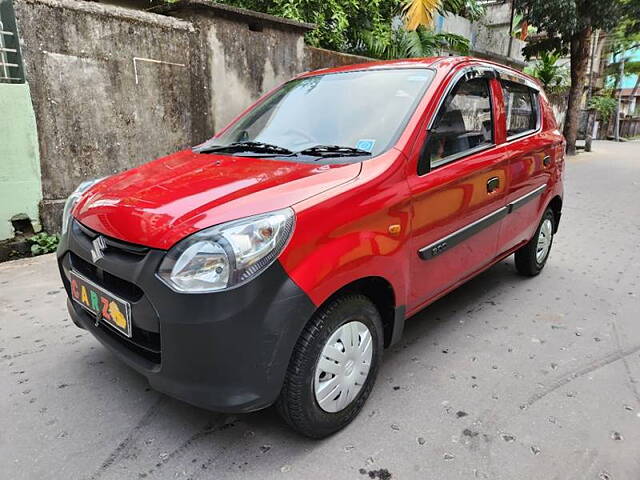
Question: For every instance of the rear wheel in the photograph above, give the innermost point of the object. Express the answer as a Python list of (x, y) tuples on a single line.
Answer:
[(532, 257), (333, 367)]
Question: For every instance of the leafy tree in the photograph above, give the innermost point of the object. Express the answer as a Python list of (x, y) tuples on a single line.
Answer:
[(568, 25), (633, 68), (604, 105), (342, 24)]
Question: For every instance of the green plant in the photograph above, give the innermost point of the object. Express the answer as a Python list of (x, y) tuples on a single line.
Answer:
[(517, 27), (400, 43), (339, 23), (342, 24), (422, 12), (605, 106), (43, 242), (554, 77), (471, 9)]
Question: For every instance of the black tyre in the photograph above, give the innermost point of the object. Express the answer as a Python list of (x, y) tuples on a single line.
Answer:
[(532, 257), (333, 367)]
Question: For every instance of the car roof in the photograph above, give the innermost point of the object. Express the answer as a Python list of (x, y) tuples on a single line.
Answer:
[(439, 63)]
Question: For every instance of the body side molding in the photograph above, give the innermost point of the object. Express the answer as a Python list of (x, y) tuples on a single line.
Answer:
[(436, 248)]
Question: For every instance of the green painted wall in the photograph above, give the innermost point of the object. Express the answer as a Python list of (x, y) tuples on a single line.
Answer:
[(20, 187)]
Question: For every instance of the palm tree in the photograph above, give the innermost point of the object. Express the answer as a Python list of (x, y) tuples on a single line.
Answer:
[(421, 42), (418, 39), (421, 12), (552, 76)]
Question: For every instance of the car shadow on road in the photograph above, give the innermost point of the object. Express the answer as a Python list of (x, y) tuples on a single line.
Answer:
[(197, 440)]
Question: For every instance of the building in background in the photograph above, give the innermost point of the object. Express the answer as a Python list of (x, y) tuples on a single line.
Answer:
[(20, 187)]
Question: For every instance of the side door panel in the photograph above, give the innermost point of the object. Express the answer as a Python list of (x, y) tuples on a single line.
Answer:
[(455, 218), (531, 160), (528, 178), (455, 223)]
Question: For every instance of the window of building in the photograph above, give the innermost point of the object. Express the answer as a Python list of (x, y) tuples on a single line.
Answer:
[(11, 70)]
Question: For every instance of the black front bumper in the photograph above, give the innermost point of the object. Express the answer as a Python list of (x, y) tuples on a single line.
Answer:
[(225, 351)]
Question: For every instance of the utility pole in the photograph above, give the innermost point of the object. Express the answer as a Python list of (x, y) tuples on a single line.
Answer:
[(590, 115), (513, 14), (619, 106)]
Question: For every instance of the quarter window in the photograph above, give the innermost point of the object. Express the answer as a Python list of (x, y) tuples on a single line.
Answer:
[(521, 108), (463, 124)]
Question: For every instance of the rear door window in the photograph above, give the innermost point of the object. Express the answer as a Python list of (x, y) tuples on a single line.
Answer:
[(521, 106)]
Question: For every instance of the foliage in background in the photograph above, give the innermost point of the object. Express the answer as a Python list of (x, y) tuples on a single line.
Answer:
[(604, 105), (420, 12), (43, 242), (520, 28), (564, 21), (469, 9), (554, 77), (400, 43), (342, 24), (567, 27), (613, 71)]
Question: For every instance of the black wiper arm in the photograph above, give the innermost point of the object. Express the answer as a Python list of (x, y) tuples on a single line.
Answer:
[(333, 151), (258, 147)]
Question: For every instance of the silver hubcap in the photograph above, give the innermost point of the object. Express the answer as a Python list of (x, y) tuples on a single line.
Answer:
[(544, 240), (343, 366)]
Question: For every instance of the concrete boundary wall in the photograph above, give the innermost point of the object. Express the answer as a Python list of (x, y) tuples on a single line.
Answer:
[(111, 88), (114, 87)]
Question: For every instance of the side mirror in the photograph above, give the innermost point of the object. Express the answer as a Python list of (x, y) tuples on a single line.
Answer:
[(424, 161)]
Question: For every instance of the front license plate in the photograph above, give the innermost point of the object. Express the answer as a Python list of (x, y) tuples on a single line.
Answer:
[(103, 305)]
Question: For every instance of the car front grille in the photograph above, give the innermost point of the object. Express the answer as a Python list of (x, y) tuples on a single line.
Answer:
[(146, 337)]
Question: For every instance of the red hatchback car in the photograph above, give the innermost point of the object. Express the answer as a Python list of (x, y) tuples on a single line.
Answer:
[(275, 262)]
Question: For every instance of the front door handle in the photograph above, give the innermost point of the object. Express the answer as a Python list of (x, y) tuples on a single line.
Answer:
[(493, 184), (546, 161)]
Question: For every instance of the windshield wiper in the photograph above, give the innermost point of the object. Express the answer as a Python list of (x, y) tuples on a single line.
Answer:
[(333, 151), (258, 147)]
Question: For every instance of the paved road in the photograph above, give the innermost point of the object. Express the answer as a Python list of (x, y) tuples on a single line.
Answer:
[(506, 378)]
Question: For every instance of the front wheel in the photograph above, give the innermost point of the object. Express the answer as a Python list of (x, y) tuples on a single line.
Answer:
[(333, 367), (532, 257)]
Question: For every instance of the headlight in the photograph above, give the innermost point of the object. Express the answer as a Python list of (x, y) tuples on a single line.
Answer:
[(227, 255), (73, 199)]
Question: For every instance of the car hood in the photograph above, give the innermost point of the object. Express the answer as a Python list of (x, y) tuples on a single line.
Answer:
[(161, 202)]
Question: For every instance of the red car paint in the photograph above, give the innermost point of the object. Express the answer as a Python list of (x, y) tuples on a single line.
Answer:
[(344, 214)]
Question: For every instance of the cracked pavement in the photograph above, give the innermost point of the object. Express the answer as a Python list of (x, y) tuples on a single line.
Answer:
[(505, 378)]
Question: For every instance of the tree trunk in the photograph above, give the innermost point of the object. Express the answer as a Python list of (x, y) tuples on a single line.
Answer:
[(579, 61)]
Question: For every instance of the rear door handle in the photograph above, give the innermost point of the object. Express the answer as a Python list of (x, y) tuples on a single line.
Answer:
[(493, 184), (546, 161)]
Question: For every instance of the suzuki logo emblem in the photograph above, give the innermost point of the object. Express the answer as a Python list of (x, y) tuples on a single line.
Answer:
[(97, 249)]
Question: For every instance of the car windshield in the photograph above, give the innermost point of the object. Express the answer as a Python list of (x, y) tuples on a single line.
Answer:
[(362, 112)]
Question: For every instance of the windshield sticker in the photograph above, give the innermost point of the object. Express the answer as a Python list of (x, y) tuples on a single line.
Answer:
[(366, 144)]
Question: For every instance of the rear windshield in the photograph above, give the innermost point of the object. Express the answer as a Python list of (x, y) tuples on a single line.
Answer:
[(365, 109)]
